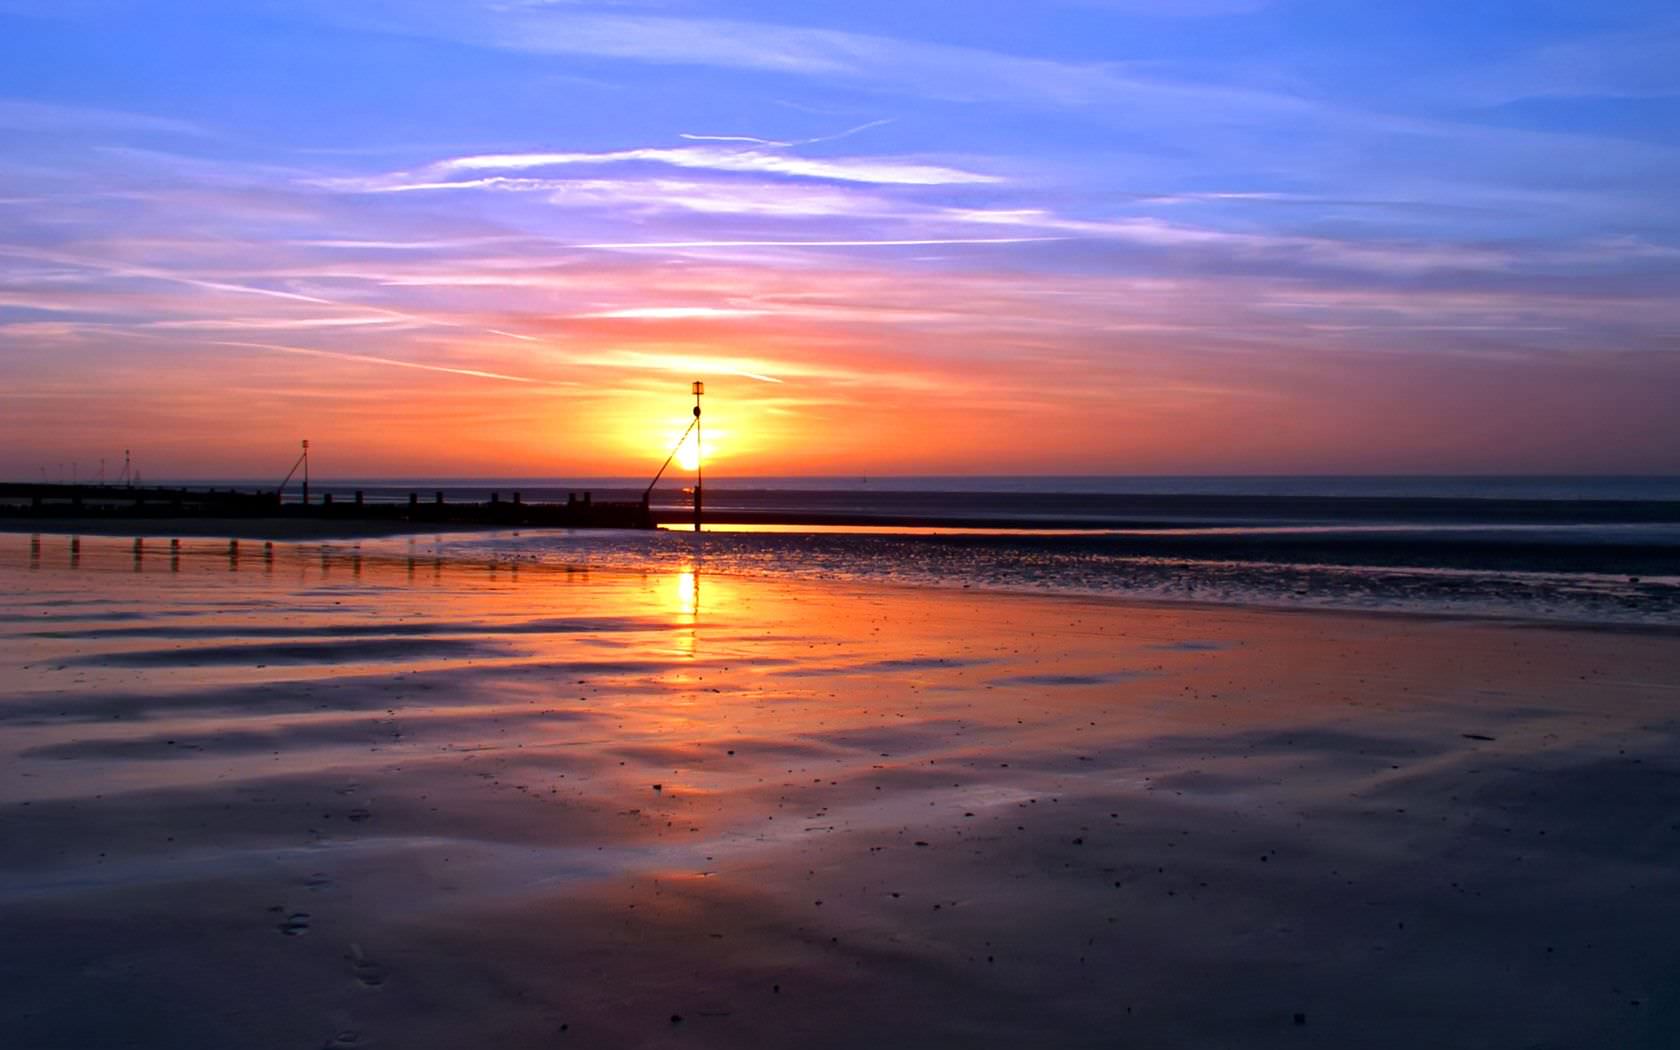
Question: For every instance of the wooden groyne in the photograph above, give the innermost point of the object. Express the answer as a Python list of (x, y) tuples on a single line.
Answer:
[(97, 503)]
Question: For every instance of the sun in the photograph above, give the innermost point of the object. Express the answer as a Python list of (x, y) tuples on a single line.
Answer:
[(688, 456), (689, 453)]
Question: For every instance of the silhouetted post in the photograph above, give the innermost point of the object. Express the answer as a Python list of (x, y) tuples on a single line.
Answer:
[(440, 497), (413, 500), (516, 499), (358, 497), (495, 497), (303, 462), (699, 453)]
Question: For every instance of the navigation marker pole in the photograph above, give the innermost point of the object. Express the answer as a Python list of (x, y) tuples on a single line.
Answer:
[(302, 461), (699, 452), (693, 428)]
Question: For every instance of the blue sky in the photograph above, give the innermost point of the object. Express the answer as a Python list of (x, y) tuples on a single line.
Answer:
[(1076, 236)]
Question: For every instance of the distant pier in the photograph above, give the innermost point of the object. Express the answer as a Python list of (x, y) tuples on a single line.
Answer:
[(107, 503)]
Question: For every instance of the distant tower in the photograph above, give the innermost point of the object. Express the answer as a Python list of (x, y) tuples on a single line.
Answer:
[(699, 470), (303, 463), (699, 452)]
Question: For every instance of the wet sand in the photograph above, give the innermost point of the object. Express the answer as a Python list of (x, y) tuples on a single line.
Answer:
[(304, 798)]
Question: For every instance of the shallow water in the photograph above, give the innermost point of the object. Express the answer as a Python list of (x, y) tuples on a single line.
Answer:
[(1636, 582)]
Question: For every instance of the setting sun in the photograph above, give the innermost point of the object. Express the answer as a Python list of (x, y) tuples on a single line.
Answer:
[(688, 456)]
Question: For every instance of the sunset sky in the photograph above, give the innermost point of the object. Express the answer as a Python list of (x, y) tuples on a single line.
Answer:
[(500, 237)]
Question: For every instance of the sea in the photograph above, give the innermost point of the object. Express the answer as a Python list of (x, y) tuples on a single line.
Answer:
[(1579, 549)]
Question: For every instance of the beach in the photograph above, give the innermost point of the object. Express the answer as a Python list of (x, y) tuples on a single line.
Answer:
[(305, 795)]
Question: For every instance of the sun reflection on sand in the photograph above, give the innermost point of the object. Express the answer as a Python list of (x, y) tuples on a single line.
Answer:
[(688, 592), (688, 610)]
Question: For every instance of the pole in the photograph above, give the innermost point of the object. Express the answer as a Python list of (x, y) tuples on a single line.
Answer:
[(699, 453), (306, 472)]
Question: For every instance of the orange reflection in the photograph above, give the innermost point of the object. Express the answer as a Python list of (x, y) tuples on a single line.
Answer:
[(688, 592)]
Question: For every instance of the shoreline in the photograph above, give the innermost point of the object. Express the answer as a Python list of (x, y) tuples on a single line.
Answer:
[(1118, 598)]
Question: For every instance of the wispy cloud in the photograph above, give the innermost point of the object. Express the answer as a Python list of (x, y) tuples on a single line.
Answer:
[(878, 170), (434, 244), (873, 61), (1367, 255), (369, 359), (28, 115), (672, 313), (158, 274), (848, 133), (234, 324), (883, 243), (1175, 8), (1611, 65), (728, 196)]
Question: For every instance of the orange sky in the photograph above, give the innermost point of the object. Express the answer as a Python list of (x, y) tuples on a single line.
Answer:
[(830, 399)]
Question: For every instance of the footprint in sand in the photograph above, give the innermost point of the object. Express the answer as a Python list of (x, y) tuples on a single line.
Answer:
[(343, 1040), (295, 925), (365, 970), (317, 881)]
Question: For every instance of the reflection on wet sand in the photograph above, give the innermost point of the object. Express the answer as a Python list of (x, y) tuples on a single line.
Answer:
[(322, 792)]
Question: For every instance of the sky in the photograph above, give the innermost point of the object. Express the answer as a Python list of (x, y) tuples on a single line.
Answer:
[(500, 237)]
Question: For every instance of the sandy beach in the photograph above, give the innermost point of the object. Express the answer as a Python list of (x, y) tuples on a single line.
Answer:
[(297, 796)]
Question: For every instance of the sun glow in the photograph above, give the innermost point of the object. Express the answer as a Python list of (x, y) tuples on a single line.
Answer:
[(688, 456), (695, 451)]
